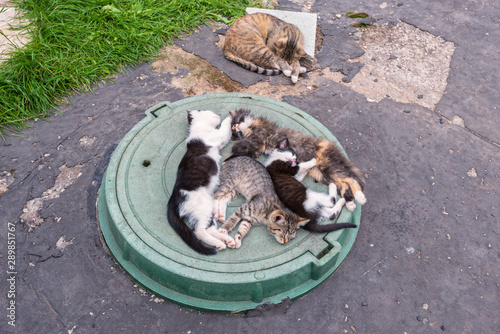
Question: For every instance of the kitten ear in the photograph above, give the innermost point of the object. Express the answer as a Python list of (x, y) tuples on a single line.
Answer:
[(190, 118), (233, 113), (301, 221), (284, 144), (278, 217), (301, 53)]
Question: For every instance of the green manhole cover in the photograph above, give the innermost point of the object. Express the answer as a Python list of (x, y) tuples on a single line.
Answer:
[(132, 212)]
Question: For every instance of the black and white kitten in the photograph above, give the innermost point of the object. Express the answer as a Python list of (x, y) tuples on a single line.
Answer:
[(197, 179), (287, 174)]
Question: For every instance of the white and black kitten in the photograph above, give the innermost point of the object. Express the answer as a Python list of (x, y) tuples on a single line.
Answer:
[(286, 175), (197, 179)]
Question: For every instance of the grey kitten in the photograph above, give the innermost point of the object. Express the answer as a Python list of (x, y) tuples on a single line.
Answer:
[(244, 175)]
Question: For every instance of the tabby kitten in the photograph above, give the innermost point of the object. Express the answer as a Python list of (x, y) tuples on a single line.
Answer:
[(197, 178), (250, 178), (259, 135), (264, 44), (286, 175)]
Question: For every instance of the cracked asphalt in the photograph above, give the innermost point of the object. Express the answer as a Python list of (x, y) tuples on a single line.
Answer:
[(426, 258)]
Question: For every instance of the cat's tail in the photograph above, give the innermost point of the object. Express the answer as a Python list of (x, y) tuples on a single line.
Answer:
[(251, 66), (179, 226), (317, 228)]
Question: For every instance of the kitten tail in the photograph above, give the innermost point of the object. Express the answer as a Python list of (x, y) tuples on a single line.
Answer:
[(183, 230), (328, 227), (251, 66)]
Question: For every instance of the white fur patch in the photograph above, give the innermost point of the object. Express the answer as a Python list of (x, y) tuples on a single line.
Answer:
[(315, 200), (360, 197), (198, 206), (350, 206), (281, 156), (243, 126)]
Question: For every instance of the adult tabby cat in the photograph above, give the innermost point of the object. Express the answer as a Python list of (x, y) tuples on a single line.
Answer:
[(250, 178), (264, 44), (259, 135), (197, 179), (286, 175)]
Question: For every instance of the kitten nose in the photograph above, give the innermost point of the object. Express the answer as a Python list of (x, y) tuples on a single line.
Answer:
[(285, 240)]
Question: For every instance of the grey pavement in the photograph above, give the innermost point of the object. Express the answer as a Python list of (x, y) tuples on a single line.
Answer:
[(426, 257)]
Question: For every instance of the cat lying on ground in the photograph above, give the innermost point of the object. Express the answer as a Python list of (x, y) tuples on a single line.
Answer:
[(250, 178), (264, 44), (197, 179)]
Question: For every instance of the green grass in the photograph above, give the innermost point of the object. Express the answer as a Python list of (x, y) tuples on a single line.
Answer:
[(75, 43)]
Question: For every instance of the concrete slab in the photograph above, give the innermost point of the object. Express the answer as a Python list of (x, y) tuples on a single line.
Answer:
[(306, 22)]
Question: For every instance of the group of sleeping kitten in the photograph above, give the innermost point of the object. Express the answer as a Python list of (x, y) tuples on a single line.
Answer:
[(275, 196)]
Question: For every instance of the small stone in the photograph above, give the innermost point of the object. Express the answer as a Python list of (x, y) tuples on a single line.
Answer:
[(472, 172), (420, 96), (442, 328), (441, 120), (392, 57), (383, 5), (400, 4), (407, 111), (426, 306), (364, 304), (457, 120), (419, 318)]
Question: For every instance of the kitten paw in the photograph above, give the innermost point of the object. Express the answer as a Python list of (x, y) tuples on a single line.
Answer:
[(232, 243), (287, 73), (350, 206), (222, 231), (309, 164), (220, 246), (360, 198), (295, 78), (302, 70), (237, 241)]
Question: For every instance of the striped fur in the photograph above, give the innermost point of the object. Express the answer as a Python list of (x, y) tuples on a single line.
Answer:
[(265, 44), (250, 178)]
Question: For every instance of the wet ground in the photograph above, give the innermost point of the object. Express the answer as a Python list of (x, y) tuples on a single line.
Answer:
[(414, 101)]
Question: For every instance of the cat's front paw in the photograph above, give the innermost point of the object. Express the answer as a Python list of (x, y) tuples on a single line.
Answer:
[(302, 70), (232, 243), (237, 241), (220, 246), (295, 78), (222, 231), (309, 164), (350, 206), (287, 73)]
